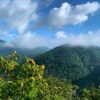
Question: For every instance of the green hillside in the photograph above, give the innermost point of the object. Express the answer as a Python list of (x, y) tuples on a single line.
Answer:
[(70, 62), (92, 78)]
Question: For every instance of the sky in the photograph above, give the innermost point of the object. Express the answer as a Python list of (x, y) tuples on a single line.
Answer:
[(50, 23)]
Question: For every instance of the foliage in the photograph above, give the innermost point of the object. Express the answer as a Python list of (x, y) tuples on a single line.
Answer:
[(90, 93), (24, 80), (61, 88)]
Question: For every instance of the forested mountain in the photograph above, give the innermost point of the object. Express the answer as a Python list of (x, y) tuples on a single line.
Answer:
[(71, 62), (4, 50), (2, 42), (91, 79)]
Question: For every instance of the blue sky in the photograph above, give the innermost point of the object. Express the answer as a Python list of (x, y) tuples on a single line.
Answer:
[(34, 23)]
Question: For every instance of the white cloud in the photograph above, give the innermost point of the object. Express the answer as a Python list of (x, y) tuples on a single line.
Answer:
[(61, 34), (86, 39), (17, 13), (28, 40), (32, 40), (68, 14)]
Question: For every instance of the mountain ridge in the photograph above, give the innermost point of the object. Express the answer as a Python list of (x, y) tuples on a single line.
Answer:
[(70, 62), (4, 50)]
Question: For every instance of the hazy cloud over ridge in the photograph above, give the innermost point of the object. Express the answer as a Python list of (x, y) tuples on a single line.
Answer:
[(91, 38), (30, 40)]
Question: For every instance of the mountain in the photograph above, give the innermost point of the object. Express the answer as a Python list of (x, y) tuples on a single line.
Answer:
[(23, 52), (5, 50), (2, 42), (91, 79), (73, 63)]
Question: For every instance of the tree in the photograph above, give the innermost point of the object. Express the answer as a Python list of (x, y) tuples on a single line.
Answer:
[(24, 80)]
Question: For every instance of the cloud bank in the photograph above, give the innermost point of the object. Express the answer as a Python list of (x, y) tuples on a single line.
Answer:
[(30, 40), (85, 39)]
